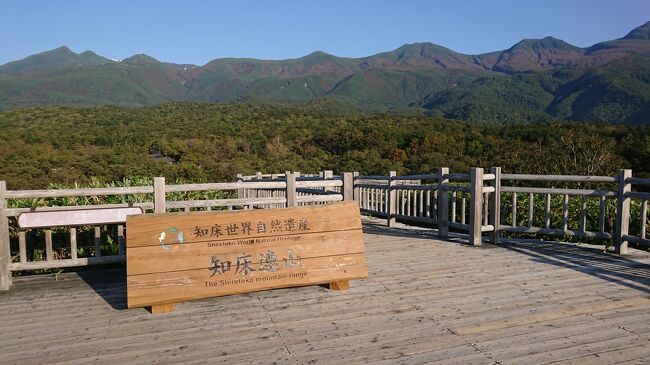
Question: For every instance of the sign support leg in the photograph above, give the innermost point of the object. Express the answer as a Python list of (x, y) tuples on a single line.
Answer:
[(163, 308), (340, 285)]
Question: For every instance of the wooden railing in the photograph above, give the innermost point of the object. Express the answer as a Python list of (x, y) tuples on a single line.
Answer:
[(430, 199), (584, 196), (476, 203), (309, 189), (287, 191)]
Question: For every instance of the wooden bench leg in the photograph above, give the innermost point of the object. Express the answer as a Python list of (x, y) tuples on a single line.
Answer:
[(340, 285), (163, 308)]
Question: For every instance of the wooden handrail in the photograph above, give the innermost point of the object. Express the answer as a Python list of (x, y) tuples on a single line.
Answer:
[(394, 197), (568, 178)]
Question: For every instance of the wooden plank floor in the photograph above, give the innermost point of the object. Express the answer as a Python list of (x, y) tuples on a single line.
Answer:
[(425, 301)]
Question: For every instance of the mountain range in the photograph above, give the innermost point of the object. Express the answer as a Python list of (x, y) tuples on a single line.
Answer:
[(534, 80)]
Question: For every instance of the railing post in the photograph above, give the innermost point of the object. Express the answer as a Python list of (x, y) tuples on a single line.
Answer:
[(291, 189), (348, 186), (356, 189), (495, 205), (258, 177), (274, 193), (328, 175), (159, 195), (622, 211), (5, 248), (476, 205), (240, 192), (443, 203), (392, 199)]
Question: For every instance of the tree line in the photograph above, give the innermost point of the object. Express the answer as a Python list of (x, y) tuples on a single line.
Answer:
[(214, 142)]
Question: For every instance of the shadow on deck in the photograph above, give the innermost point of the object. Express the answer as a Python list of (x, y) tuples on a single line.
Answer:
[(588, 260), (109, 284)]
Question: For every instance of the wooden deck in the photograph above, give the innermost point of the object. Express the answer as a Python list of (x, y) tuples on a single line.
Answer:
[(425, 301)]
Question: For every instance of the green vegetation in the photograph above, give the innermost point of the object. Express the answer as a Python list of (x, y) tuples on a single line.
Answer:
[(210, 142)]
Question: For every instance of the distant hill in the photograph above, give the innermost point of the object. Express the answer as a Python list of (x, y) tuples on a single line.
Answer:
[(534, 80)]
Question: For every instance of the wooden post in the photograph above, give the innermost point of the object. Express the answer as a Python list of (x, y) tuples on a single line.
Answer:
[(565, 213), (291, 189), (476, 205), (240, 192), (514, 209), (531, 209), (430, 201), (601, 215), (392, 199), (120, 240), (622, 211), (495, 205), (453, 207), (258, 177), (356, 189), (5, 248), (159, 195), (583, 214), (73, 243), (443, 203), (644, 214), (547, 214), (328, 175), (348, 186), (97, 239), (22, 246)]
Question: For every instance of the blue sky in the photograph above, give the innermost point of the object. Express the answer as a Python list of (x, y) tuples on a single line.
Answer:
[(198, 31)]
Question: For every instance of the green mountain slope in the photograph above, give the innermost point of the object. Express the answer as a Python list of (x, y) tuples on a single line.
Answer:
[(534, 80), (618, 92), (56, 59), (132, 82)]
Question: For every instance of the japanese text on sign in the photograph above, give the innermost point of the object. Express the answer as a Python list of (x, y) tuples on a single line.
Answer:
[(252, 228)]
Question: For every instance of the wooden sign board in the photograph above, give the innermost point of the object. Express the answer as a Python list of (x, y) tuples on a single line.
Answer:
[(174, 257)]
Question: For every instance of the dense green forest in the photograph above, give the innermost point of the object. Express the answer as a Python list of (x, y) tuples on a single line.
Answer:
[(214, 142)]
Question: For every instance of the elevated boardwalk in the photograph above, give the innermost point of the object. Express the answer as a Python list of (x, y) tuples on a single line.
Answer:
[(425, 301)]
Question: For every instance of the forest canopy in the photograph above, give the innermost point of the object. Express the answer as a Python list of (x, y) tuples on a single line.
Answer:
[(214, 142)]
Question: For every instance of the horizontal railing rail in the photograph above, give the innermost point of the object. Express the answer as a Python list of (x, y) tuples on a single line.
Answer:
[(15, 212), (568, 178), (59, 193), (579, 192)]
